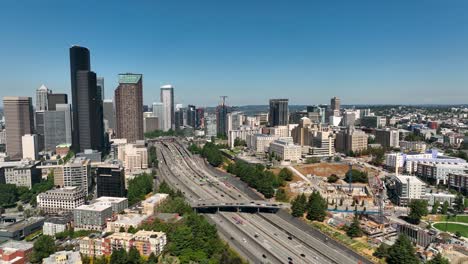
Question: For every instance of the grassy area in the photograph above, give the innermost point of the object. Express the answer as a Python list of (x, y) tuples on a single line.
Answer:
[(453, 228), (458, 218), (360, 247)]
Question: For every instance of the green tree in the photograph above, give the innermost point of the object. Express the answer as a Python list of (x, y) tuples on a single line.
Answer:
[(132, 230), (285, 174), (438, 259), (381, 251), (402, 252), (281, 195), (435, 207), (354, 230), (332, 178), (121, 229), (134, 256), (418, 209), (298, 205), (312, 160), (20, 208), (100, 260), (152, 259), (43, 247), (316, 207), (445, 207), (119, 256), (138, 187), (459, 205)]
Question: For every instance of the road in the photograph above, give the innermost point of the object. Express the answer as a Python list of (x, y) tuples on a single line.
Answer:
[(259, 237)]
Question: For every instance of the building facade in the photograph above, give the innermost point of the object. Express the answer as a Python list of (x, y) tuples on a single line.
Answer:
[(279, 112), (62, 200), (19, 121), (91, 217), (167, 99), (110, 180), (57, 127)]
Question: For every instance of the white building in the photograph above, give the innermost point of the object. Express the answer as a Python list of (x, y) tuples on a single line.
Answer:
[(167, 99), (126, 221), (241, 133), (21, 173), (260, 142), (41, 98), (408, 188), (234, 120), (55, 225), (158, 111), (92, 217), (118, 204), (285, 150), (61, 200), (439, 197), (416, 146), (30, 146), (150, 204), (77, 173), (440, 171), (63, 257), (134, 157)]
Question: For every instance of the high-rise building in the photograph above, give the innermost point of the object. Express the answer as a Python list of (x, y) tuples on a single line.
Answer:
[(129, 107), (109, 114), (77, 172), (41, 98), (279, 113), (200, 118), (335, 104), (18, 121), (351, 140), (191, 116), (167, 98), (110, 180), (57, 127), (158, 111), (30, 147), (54, 99), (222, 111), (100, 86), (88, 129), (388, 138)]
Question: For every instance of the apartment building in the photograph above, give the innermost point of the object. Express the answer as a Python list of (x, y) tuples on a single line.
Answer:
[(459, 182), (62, 200), (388, 137), (413, 146), (285, 150), (77, 173), (55, 225), (351, 140), (20, 173), (260, 142), (151, 203), (241, 133), (92, 217), (407, 188), (118, 204), (134, 156), (439, 171)]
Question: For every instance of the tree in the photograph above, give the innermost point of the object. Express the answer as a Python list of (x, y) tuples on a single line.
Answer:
[(285, 174), (138, 187), (101, 260), (152, 259), (418, 209), (312, 160), (445, 207), (239, 142), (332, 178), (121, 229), (298, 205), (43, 247), (435, 207), (20, 208), (134, 256), (132, 230), (381, 251), (354, 230), (119, 256), (281, 195), (459, 205), (316, 207), (438, 259), (402, 252)]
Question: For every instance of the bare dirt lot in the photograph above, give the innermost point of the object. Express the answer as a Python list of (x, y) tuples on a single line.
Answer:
[(323, 169)]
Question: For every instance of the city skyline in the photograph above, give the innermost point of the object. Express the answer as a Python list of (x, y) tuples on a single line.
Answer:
[(361, 52)]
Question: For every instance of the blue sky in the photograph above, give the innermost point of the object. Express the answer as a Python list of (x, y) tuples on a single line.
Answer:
[(387, 52)]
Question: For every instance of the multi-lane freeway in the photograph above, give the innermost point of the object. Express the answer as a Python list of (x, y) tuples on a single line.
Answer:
[(260, 237)]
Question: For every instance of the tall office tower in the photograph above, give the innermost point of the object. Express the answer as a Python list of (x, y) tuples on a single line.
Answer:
[(54, 99), (88, 128), (335, 104), (39, 128), (167, 98), (57, 127), (41, 98), (191, 116), (110, 180), (158, 111), (279, 113), (100, 86), (109, 114), (221, 118), (129, 107), (30, 147), (19, 121), (200, 118)]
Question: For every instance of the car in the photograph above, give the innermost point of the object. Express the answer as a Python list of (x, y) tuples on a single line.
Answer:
[(290, 238), (264, 256), (303, 255)]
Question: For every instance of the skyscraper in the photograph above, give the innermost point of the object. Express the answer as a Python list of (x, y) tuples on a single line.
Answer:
[(57, 127), (129, 107), (100, 86), (109, 113), (54, 99), (88, 132), (158, 111), (279, 113), (221, 118), (18, 121), (110, 180), (191, 116), (167, 98), (41, 98), (335, 104)]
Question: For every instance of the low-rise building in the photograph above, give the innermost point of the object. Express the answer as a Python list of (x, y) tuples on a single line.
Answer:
[(110, 180), (21, 228), (417, 235), (151, 203), (15, 252), (63, 257), (285, 150), (439, 171), (459, 181), (20, 173), (62, 200), (432, 198), (241, 133), (56, 225), (388, 137), (125, 221), (406, 188), (77, 172), (92, 217), (118, 204), (413, 146), (134, 157), (146, 242), (260, 142)]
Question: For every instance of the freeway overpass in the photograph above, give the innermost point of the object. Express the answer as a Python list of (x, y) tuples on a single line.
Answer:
[(252, 207)]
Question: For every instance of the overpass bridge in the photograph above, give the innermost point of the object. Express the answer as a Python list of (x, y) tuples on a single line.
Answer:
[(251, 207)]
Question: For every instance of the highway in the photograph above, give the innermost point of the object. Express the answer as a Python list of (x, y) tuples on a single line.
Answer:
[(259, 237)]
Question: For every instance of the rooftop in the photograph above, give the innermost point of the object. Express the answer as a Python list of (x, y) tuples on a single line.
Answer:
[(98, 207), (167, 86), (129, 78), (12, 245), (412, 179), (107, 199), (156, 198)]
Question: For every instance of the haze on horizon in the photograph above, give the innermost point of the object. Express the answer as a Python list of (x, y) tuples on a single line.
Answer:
[(364, 52)]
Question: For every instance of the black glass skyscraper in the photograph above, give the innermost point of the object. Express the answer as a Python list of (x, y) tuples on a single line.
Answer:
[(88, 129), (279, 113)]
